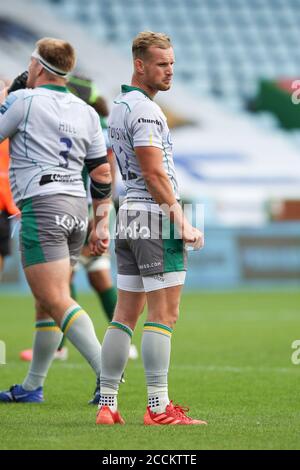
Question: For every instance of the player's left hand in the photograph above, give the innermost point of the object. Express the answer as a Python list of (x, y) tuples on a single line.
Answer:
[(19, 82), (98, 244)]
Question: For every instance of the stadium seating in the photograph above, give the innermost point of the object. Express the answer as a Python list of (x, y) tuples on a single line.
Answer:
[(222, 46)]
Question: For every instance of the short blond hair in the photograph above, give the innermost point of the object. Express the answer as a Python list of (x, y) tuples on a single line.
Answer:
[(144, 40), (61, 54)]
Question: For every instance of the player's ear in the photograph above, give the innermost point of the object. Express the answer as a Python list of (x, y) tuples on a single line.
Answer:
[(139, 65), (40, 70)]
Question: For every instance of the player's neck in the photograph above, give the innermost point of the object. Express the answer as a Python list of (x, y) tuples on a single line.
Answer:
[(57, 82), (138, 84)]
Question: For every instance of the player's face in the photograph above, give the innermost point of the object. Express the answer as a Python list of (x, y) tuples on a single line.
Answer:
[(34, 70), (158, 68)]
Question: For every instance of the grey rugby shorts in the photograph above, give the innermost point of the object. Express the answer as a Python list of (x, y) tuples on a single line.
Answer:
[(53, 227), (146, 244)]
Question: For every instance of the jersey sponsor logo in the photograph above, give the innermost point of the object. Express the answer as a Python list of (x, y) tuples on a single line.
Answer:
[(149, 121), (71, 223), (7, 103), (57, 178), (155, 264)]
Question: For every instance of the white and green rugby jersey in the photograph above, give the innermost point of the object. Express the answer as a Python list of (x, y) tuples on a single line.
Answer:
[(136, 121), (52, 132)]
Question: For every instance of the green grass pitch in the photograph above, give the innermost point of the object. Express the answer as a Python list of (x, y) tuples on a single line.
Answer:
[(231, 363)]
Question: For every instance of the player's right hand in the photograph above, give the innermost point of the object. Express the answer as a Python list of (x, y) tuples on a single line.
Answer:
[(19, 82), (97, 245), (193, 237)]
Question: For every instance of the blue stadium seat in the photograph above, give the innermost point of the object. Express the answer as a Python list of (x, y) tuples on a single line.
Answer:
[(236, 39)]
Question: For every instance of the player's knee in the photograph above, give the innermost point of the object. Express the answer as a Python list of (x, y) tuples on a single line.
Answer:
[(174, 315), (131, 322), (40, 310), (166, 316), (50, 304)]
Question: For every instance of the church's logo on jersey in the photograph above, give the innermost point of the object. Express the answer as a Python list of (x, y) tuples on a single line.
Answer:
[(149, 121), (57, 178)]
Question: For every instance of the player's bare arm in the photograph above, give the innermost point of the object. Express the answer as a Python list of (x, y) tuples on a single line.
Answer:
[(151, 162), (99, 237)]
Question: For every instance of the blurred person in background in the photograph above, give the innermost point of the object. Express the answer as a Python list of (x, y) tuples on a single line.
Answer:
[(52, 135), (98, 268), (7, 206)]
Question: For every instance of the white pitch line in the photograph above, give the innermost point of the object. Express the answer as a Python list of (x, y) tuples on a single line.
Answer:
[(208, 368)]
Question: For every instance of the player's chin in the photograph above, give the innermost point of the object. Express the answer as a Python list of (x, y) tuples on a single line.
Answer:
[(165, 86)]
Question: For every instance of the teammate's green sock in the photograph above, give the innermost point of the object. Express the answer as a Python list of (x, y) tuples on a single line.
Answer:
[(79, 329), (108, 300), (156, 351), (46, 340)]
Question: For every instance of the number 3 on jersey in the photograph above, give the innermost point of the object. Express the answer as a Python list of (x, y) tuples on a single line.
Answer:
[(65, 153)]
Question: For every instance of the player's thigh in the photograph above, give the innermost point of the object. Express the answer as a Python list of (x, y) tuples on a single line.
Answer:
[(49, 283), (131, 295), (163, 305)]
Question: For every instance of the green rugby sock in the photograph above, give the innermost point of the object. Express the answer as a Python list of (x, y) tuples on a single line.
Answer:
[(108, 300)]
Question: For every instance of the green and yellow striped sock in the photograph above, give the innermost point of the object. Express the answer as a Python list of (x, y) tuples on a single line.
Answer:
[(156, 352), (77, 326), (46, 341), (115, 351)]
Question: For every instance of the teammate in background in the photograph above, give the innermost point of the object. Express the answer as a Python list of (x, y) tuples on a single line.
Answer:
[(151, 267), (7, 205), (98, 268), (52, 135)]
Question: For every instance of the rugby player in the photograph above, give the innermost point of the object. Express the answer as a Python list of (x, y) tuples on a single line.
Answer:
[(150, 256), (52, 135)]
